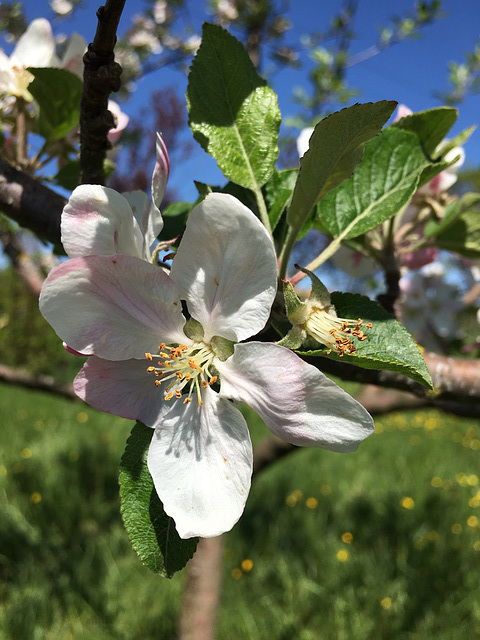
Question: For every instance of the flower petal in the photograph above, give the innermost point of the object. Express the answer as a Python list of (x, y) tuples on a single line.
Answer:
[(122, 388), (296, 401), (200, 460), (99, 221), (36, 47), (116, 307), (225, 268), (160, 172)]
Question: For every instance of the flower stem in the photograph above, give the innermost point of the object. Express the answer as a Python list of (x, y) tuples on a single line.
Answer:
[(262, 208)]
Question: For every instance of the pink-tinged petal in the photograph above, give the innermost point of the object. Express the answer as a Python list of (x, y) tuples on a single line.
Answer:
[(115, 307), (36, 47), (141, 207), (73, 57), (122, 388), (402, 112), (73, 352), (296, 401), (99, 221), (122, 121), (160, 173), (225, 268), (200, 459)]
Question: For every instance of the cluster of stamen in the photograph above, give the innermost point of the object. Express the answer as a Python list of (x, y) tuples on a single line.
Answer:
[(336, 333), (183, 369)]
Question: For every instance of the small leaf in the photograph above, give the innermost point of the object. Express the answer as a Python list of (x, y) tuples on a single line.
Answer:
[(336, 147), (452, 212), (68, 176), (431, 126), (278, 191), (388, 345), (232, 113), (463, 235), (151, 532), (381, 186), (58, 94)]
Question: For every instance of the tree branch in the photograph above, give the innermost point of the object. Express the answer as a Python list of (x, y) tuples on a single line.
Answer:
[(38, 382), (101, 76), (30, 203)]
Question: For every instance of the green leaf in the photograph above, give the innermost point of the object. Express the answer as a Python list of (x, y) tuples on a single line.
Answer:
[(68, 176), (379, 188), (232, 113), (430, 126), (175, 218), (151, 532), (58, 94), (463, 234), (278, 191), (388, 345), (336, 147), (452, 212)]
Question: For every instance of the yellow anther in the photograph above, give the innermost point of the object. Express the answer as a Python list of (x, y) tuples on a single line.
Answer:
[(187, 400), (162, 346), (178, 393), (150, 369), (157, 383), (213, 379), (204, 384), (148, 356), (179, 375), (169, 396)]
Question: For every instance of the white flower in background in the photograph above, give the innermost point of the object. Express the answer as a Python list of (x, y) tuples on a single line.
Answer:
[(35, 48), (62, 7), (226, 11), (147, 363), (160, 11), (192, 44), (303, 141), (72, 58)]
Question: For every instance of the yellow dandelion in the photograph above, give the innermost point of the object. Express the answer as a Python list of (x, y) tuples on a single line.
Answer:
[(474, 502), (342, 555), (386, 603), (26, 453), (247, 565), (82, 416), (311, 503), (237, 573), (476, 545), (432, 536), (347, 537), (407, 502), (457, 528), (436, 482), (36, 497), (472, 521)]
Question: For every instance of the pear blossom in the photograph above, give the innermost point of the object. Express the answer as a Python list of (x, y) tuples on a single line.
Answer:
[(148, 362), (35, 48)]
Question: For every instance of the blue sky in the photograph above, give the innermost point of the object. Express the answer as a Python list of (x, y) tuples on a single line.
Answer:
[(409, 72)]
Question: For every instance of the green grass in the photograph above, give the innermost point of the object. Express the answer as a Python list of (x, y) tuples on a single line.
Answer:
[(381, 544)]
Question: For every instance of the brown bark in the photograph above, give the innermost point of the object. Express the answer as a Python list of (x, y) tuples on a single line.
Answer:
[(201, 595), (30, 203), (101, 76)]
